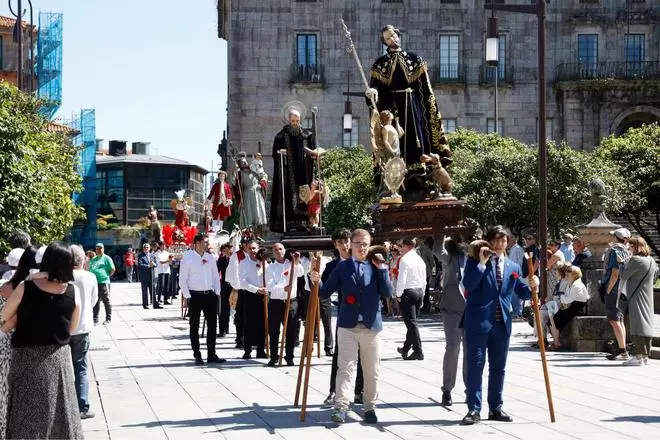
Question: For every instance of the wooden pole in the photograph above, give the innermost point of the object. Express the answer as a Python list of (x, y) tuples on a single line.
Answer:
[(308, 341), (539, 332), (287, 305), (263, 275)]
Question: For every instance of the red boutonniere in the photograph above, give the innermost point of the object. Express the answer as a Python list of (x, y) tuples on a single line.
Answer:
[(515, 275), (286, 274), (350, 299), (258, 266), (204, 261)]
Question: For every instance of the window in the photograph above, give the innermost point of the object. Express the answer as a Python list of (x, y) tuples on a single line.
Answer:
[(490, 125), (2, 65), (450, 125), (307, 68), (306, 123), (449, 57), (351, 137), (587, 53), (634, 53)]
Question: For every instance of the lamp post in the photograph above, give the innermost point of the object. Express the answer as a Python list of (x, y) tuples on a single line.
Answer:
[(539, 10), (18, 29), (492, 53)]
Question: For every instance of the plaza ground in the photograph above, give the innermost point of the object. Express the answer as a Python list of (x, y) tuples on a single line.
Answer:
[(143, 384)]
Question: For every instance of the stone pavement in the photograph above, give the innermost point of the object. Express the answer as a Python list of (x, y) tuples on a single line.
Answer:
[(144, 385)]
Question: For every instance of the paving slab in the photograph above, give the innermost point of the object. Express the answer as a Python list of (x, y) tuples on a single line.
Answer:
[(143, 384)]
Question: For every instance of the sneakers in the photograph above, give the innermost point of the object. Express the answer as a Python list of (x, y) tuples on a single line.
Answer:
[(329, 401), (634, 362), (338, 416), (622, 355), (89, 414)]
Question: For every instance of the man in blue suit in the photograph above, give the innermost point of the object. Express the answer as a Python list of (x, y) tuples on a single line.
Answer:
[(490, 282), (362, 284)]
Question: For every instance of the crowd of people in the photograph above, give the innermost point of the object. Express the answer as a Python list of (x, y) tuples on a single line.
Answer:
[(51, 296)]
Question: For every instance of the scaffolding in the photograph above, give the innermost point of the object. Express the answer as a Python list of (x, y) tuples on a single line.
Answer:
[(85, 232), (49, 62)]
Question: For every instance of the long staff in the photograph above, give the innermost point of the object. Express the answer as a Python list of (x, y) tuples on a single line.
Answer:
[(539, 332), (263, 275), (308, 340), (282, 154), (287, 305)]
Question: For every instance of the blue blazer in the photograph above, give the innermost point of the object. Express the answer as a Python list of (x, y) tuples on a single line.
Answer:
[(344, 280), (482, 294)]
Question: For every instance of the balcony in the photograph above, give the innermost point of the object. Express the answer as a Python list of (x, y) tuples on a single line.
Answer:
[(487, 75), (450, 74), (307, 74), (631, 70)]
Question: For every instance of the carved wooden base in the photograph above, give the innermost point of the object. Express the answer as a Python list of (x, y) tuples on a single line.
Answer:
[(434, 218)]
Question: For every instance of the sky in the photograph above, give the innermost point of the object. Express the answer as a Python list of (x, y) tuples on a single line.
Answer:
[(154, 70)]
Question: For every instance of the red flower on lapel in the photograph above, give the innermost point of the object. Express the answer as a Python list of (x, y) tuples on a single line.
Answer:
[(350, 299), (286, 274), (204, 261), (515, 275), (258, 266)]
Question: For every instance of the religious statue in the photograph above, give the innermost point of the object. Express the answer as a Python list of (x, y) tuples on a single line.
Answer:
[(154, 223), (251, 203), (221, 200), (180, 208), (440, 180), (318, 194), (387, 138), (293, 155), (400, 84), (257, 167)]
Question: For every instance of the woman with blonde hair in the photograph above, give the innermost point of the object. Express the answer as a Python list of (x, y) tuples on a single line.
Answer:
[(637, 278), (571, 303)]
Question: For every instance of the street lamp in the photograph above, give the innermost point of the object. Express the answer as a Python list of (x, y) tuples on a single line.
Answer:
[(348, 116), (492, 52)]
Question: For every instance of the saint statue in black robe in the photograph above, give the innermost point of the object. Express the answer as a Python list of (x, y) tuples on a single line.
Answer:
[(298, 174), (400, 84)]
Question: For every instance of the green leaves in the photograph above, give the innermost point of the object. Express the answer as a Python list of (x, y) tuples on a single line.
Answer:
[(37, 172)]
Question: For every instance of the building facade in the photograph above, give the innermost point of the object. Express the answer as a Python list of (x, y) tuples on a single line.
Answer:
[(9, 51), (602, 58)]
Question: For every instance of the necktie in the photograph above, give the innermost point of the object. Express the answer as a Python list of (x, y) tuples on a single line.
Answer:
[(360, 271), (498, 278)]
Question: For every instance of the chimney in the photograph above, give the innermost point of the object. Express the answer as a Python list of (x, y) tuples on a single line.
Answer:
[(140, 147), (117, 148)]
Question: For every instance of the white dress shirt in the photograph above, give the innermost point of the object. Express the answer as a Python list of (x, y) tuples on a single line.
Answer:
[(163, 259), (482, 267), (198, 273), (232, 276), (89, 295), (277, 278), (576, 292), (412, 273), (251, 274)]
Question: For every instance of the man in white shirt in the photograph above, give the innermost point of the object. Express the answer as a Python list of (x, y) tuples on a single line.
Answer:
[(281, 282), (200, 286), (163, 272), (410, 295), (253, 291), (234, 280), (79, 343)]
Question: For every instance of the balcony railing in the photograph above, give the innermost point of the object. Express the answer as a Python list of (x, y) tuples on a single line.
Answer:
[(307, 73), (450, 74), (487, 75), (608, 70)]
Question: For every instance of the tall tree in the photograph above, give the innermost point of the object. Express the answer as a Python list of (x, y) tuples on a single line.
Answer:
[(37, 172), (637, 159)]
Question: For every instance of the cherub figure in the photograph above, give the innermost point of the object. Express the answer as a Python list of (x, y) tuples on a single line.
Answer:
[(257, 165)]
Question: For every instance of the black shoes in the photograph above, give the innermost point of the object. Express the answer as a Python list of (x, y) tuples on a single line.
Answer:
[(370, 416), (247, 356), (289, 362), (446, 399), (415, 357), (157, 306), (167, 302), (216, 360), (198, 360), (239, 345), (328, 352), (272, 363), (471, 418), (499, 416), (262, 355), (402, 352), (145, 307)]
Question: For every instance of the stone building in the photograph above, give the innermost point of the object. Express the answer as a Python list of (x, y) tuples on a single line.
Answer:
[(603, 65)]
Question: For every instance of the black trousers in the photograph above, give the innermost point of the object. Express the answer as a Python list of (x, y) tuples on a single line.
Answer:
[(174, 282), (207, 303), (276, 309), (427, 295), (162, 290), (254, 331), (104, 295), (224, 309), (145, 283), (411, 302), (359, 378), (238, 317), (326, 320)]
